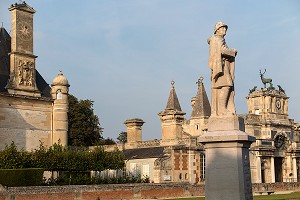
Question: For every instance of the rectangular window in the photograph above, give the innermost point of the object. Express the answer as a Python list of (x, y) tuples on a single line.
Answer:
[(256, 133), (202, 167), (145, 171), (133, 169)]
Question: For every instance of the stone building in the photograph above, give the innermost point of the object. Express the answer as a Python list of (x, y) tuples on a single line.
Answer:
[(177, 157), (31, 111), (275, 155)]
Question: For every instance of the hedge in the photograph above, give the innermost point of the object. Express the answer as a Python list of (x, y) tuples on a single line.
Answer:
[(21, 177)]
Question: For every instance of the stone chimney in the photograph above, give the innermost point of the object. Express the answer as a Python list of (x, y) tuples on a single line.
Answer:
[(134, 130)]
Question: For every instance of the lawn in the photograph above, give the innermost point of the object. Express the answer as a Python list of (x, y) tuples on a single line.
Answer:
[(291, 196)]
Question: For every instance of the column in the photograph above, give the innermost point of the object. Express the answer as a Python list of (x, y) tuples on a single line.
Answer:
[(258, 168), (295, 174), (272, 170)]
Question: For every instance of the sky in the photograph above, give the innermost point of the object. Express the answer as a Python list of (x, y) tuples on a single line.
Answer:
[(123, 54)]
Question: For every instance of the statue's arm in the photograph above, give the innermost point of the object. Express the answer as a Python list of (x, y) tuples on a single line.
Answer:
[(228, 52)]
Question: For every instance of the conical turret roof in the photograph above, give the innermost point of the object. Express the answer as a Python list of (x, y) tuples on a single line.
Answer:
[(173, 102), (201, 107)]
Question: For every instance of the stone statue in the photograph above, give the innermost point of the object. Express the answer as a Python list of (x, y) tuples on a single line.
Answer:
[(221, 62)]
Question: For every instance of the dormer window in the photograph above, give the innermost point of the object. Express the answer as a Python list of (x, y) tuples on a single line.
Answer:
[(58, 94)]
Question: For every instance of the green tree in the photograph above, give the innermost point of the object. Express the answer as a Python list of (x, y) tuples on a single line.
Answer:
[(12, 158), (84, 127), (122, 137)]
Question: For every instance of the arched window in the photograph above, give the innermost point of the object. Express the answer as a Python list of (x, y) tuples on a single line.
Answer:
[(58, 94)]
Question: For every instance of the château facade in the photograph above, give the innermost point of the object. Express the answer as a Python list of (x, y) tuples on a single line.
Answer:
[(275, 155), (179, 157), (31, 111)]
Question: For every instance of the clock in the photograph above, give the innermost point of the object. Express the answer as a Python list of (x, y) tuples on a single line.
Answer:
[(24, 31), (278, 104)]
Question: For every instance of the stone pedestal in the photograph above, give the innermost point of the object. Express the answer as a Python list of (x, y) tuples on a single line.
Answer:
[(227, 165)]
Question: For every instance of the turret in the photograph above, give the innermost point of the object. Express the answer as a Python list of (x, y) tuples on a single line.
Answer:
[(171, 120), (200, 111), (59, 92)]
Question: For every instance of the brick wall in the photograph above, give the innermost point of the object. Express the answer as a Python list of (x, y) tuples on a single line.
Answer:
[(121, 191), (92, 192)]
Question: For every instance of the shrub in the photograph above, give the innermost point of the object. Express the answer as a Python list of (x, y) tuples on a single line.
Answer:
[(21, 177)]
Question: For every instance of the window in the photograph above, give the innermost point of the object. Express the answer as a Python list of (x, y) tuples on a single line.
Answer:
[(58, 94), (146, 171), (133, 169), (202, 167), (186, 176)]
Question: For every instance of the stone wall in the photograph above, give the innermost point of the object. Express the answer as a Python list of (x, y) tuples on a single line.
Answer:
[(122, 191), (92, 192), (26, 121)]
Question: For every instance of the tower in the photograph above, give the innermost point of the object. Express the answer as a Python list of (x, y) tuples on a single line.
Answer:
[(200, 111), (273, 158), (59, 92), (22, 80), (171, 120), (269, 108)]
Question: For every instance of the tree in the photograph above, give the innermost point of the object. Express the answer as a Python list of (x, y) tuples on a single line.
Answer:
[(107, 141), (84, 127), (122, 137)]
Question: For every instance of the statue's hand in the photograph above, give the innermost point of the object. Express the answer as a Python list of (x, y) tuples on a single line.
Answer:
[(234, 50)]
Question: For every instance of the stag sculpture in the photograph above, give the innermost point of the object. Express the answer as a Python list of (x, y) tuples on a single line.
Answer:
[(265, 80)]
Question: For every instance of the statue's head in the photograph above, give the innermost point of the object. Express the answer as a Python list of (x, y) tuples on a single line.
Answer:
[(219, 25)]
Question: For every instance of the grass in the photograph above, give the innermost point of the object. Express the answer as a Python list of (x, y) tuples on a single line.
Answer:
[(291, 196)]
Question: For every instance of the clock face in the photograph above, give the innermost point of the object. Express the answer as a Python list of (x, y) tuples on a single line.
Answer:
[(278, 104), (24, 31), (279, 141)]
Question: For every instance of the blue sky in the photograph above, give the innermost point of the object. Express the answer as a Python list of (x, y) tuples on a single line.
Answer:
[(123, 54)]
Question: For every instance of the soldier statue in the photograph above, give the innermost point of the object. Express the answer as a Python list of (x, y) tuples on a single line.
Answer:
[(221, 62)]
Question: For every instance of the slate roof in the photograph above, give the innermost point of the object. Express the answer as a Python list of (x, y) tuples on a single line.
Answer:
[(142, 153), (201, 107), (5, 42), (5, 49), (173, 102)]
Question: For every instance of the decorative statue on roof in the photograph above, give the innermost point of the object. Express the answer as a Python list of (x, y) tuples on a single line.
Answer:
[(265, 81), (221, 62)]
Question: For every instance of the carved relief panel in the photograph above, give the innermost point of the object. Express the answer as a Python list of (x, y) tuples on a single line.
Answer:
[(25, 73)]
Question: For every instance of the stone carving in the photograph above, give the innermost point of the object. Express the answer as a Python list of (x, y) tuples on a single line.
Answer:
[(221, 63), (252, 90), (25, 73), (280, 89), (266, 80)]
